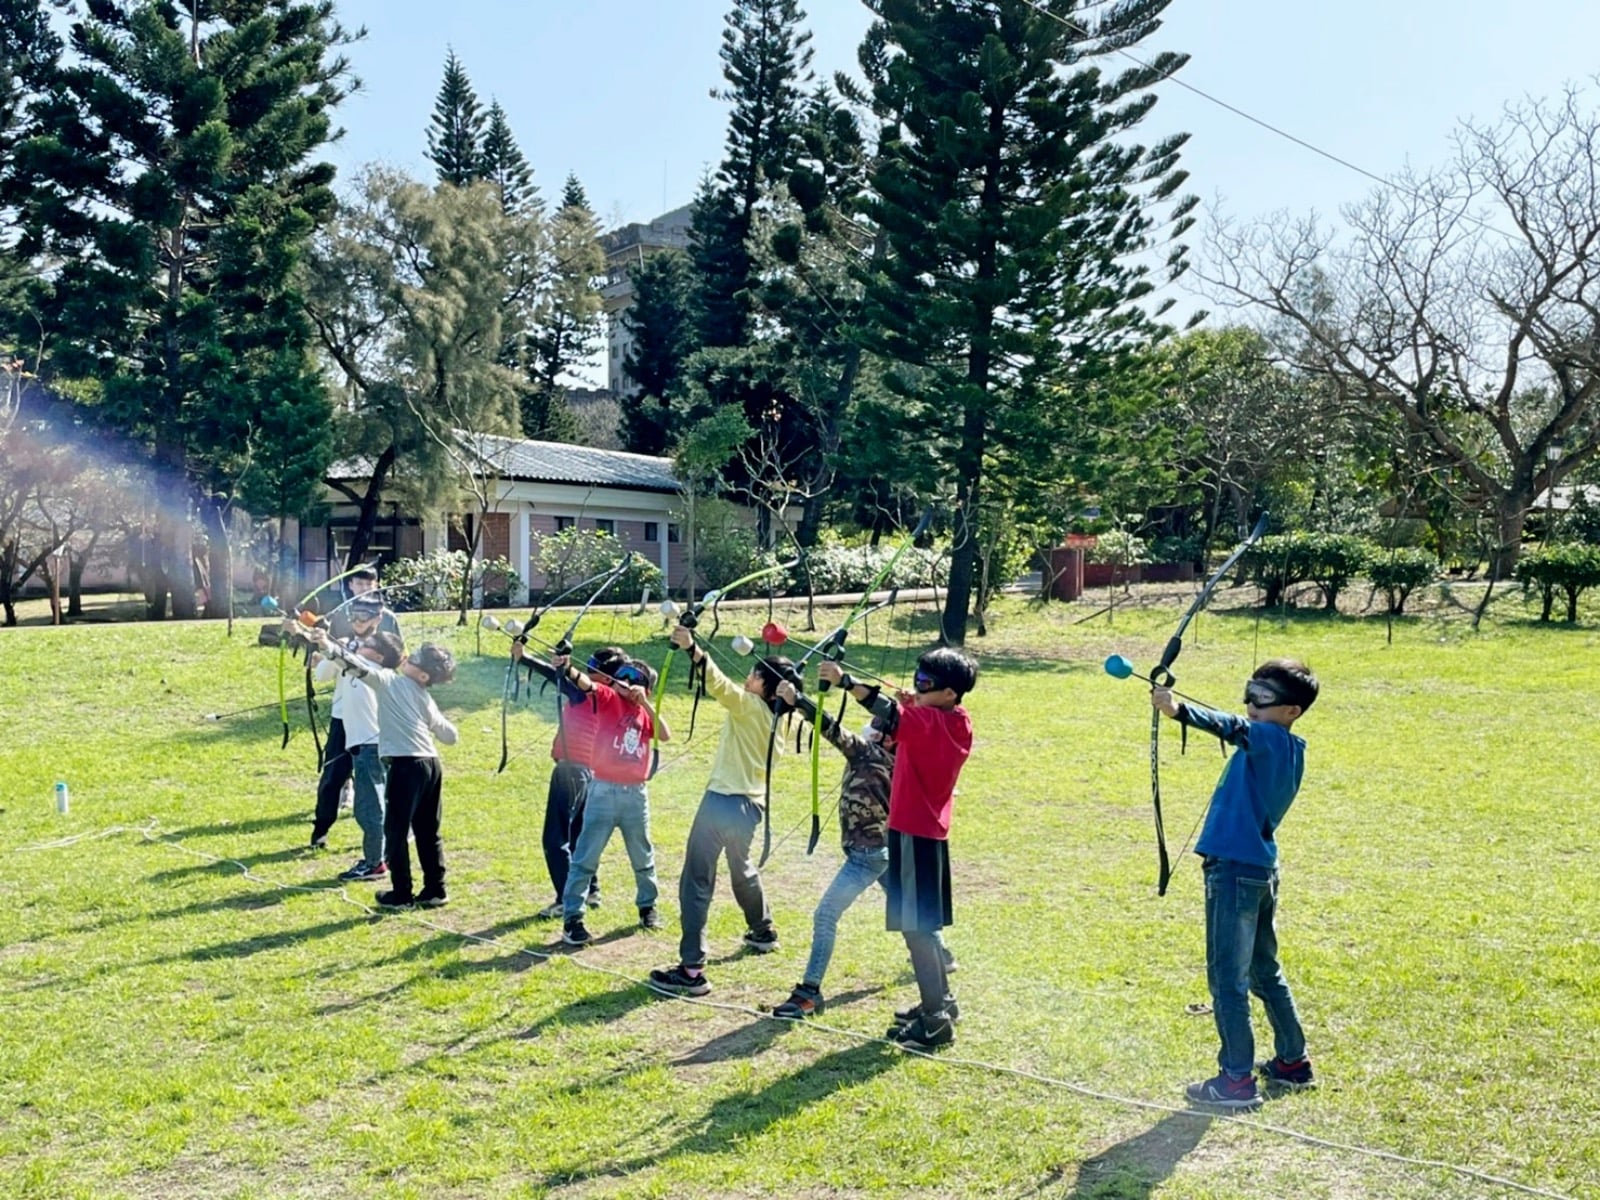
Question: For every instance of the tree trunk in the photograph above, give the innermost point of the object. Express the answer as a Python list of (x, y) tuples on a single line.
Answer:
[(213, 512), (370, 502), (1509, 519), (76, 564)]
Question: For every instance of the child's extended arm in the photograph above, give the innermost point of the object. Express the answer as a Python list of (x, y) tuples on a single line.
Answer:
[(442, 729), (1228, 727), (721, 689), (845, 742)]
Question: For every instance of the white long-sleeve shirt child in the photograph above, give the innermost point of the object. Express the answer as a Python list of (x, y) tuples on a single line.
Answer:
[(354, 701)]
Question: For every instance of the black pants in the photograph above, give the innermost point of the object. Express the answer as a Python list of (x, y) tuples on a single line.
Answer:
[(415, 794), (337, 767), (563, 821)]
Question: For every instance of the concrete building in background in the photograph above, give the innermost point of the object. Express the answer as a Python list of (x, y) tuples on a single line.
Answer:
[(626, 248)]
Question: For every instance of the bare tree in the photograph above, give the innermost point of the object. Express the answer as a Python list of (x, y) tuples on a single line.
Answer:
[(1466, 302)]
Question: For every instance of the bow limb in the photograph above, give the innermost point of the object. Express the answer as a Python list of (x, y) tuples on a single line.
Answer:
[(505, 697), (1161, 676), (766, 809), (283, 654)]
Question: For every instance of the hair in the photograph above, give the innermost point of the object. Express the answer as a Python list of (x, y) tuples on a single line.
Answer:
[(776, 669), (1291, 679), (608, 660), (950, 668), (391, 650), (436, 661)]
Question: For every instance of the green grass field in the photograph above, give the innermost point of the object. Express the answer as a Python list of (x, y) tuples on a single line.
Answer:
[(194, 1008)]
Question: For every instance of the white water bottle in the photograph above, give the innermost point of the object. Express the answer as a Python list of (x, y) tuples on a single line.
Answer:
[(63, 803)]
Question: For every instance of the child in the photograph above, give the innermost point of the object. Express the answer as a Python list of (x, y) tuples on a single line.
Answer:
[(355, 710), (408, 721), (935, 738), (624, 728), (728, 817), (863, 829), (1240, 854), (570, 777), (363, 588)]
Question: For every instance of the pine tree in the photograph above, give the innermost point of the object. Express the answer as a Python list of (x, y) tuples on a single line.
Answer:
[(568, 318), (661, 319), (501, 162), (1015, 205), (168, 166), (456, 129)]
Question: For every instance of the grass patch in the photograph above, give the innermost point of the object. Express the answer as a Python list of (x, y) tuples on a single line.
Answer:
[(177, 1026)]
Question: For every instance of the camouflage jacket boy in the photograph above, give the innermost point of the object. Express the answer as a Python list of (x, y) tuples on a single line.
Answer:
[(864, 790)]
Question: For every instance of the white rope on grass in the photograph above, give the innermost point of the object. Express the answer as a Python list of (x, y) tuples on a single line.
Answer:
[(148, 832)]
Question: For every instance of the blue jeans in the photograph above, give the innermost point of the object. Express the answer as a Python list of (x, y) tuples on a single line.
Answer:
[(859, 871), (369, 809), (624, 806), (1242, 957)]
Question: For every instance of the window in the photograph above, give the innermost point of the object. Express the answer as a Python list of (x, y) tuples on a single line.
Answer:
[(652, 531), (606, 525), (563, 523), (672, 533)]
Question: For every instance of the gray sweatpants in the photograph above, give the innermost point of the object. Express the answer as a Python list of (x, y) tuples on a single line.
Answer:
[(724, 825)]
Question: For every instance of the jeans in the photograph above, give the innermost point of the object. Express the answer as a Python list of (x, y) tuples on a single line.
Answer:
[(624, 806), (723, 825), (1242, 957), (859, 871), (563, 822), (370, 777)]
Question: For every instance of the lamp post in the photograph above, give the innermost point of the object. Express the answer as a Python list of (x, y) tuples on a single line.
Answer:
[(1552, 455)]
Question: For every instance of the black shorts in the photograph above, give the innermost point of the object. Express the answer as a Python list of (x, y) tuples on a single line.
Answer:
[(918, 883)]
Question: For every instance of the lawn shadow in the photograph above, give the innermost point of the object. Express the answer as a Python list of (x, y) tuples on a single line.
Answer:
[(245, 947), (1133, 1168), (732, 1121), (599, 1009), (230, 866), (257, 825), (744, 1042)]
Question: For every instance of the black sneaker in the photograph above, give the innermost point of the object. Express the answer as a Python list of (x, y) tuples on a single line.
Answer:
[(1286, 1076), (805, 1001), (432, 898), (649, 918), (907, 1015), (393, 900), (927, 1031), (576, 933), (319, 841), (950, 963), (762, 941), (1225, 1093), (675, 981)]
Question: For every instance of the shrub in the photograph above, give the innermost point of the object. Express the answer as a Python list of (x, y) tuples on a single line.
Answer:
[(433, 581), (1330, 560), (1572, 567), (839, 568), (1120, 547), (1400, 571), (571, 555)]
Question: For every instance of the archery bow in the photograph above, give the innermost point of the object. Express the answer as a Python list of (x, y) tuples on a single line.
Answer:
[(563, 644), (1161, 676), (283, 648)]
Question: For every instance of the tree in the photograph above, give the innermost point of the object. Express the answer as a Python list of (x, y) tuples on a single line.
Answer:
[(456, 129), (1014, 203), (501, 162), (166, 172), (1464, 304), (567, 318), (408, 290), (661, 319)]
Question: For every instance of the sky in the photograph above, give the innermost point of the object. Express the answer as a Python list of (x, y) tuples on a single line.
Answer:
[(618, 91)]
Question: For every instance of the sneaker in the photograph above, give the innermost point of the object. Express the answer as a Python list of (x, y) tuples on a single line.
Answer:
[(394, 900), (550, 912), (576, 933), (907, 1015), (1224, 1092), (927, 1031), (592, 899), (763, 941), (805, 1001), (649, 918), (675, 981), (432, 898), (950, 963), (359, 871), (319, 841), (1286, 1076)]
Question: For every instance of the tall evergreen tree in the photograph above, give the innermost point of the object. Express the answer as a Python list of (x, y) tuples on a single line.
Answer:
[(766, 61), (168, 167), (456, 129), (661, 319), (501, 162), (568, 318), (1015, 204)]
